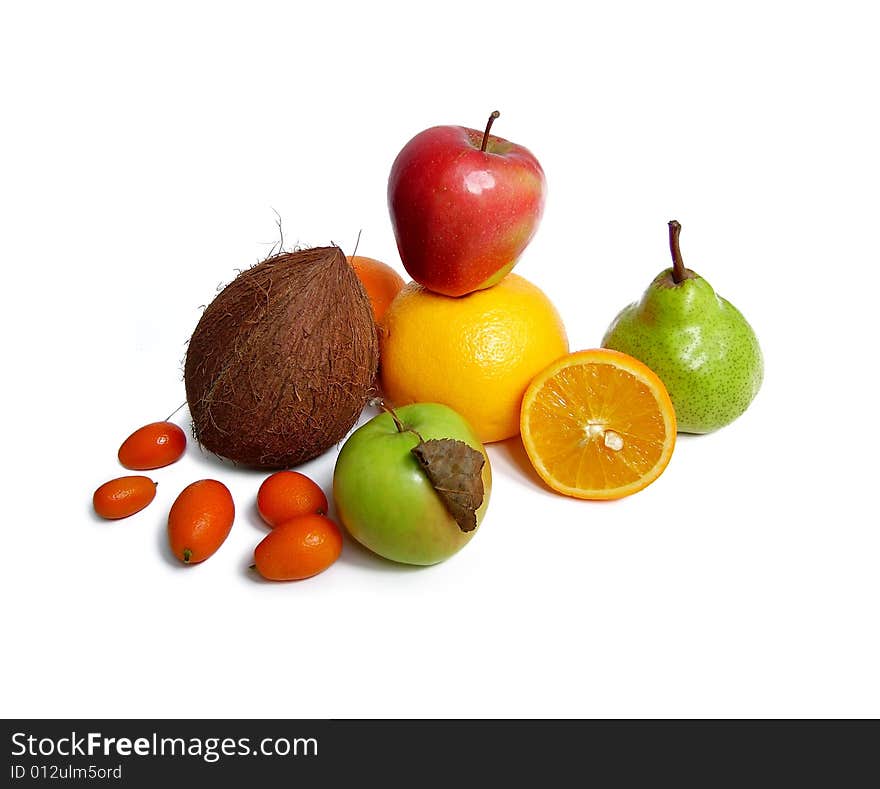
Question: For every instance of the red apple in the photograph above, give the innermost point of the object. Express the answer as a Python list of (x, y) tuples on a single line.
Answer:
[(464, 204)]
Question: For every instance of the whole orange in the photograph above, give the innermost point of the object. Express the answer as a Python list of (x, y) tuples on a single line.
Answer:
[(381, 282), (476, 353)]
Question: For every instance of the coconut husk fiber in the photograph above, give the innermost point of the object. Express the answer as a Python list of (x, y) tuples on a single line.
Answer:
[(283, 360)]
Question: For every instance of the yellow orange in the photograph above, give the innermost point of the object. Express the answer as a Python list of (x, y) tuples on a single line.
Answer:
[(598, 424), (381, 282), (475, 353)]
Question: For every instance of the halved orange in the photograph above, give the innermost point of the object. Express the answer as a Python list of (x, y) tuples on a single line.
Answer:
[(598, 424)]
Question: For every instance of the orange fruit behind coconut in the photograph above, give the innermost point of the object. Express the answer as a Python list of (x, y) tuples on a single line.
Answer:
[(381, 282), (476, 353)]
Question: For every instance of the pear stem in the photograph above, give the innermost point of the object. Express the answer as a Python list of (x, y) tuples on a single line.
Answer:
[(492, 118), (679, 272)]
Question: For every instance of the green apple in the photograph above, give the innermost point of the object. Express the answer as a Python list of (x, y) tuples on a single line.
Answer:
[(383, 496)]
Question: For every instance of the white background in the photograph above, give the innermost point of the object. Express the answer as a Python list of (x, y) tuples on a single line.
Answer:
[(145, 151)]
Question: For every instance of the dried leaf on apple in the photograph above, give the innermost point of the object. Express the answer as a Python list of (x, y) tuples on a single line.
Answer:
[(455, 472)]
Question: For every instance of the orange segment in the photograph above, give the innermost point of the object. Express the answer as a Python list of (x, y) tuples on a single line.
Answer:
[(598, 424)]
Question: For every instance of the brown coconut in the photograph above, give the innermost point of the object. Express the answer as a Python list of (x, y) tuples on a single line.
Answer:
[(283, 360)]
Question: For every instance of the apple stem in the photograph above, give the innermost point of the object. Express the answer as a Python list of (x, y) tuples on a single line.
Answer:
[(679, 272), (401, 428), (495, 114)]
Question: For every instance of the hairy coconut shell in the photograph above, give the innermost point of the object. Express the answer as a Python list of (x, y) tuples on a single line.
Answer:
[(283, 360)]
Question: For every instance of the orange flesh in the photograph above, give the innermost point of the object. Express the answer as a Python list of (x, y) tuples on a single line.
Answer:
[(598, 430)]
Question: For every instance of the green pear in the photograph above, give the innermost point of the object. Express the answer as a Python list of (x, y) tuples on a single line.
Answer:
[(698, 343)]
